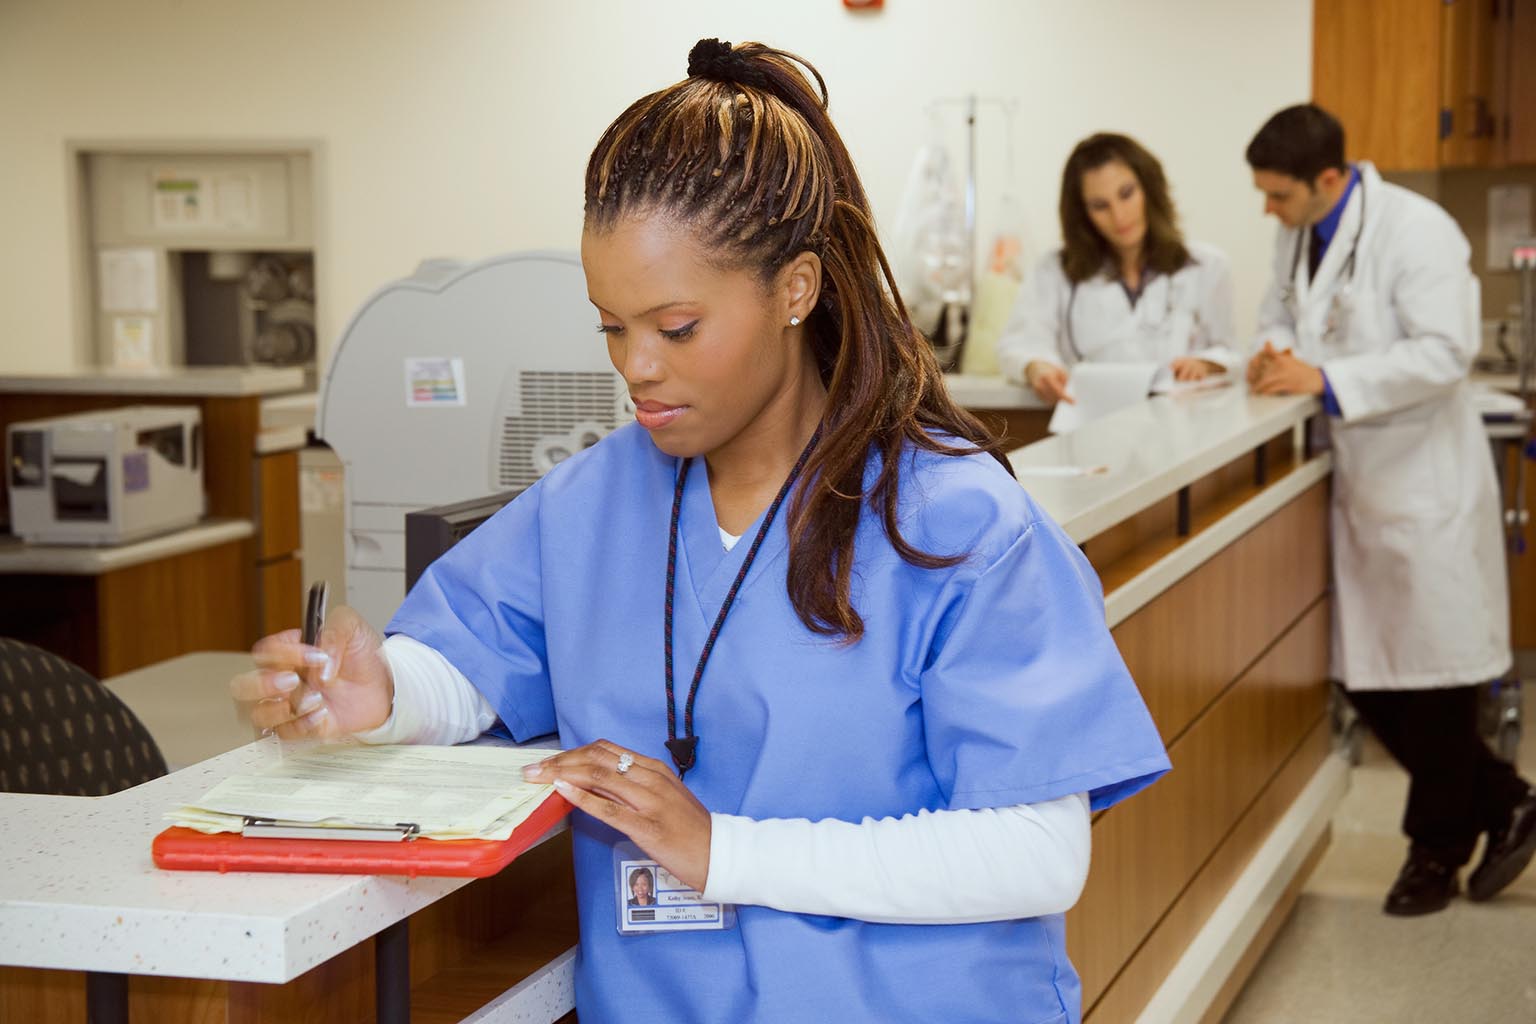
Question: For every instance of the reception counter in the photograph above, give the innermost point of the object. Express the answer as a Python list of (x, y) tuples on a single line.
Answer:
[(1207, 525), (1208, 528)]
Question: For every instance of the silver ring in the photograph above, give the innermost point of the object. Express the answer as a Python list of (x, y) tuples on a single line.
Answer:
[(626, 762)]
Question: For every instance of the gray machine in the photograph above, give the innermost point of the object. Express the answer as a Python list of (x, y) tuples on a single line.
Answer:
[(459, 381), (106, 477)]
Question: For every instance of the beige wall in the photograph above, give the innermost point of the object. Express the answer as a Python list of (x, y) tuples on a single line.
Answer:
[(461, 129)]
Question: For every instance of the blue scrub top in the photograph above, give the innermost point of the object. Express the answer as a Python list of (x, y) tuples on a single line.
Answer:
[(989, 684)]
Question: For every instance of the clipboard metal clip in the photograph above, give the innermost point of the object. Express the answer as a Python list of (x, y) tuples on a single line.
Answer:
[(267, 828)]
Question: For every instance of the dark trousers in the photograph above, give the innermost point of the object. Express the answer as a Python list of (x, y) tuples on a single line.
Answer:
[(1459, 790)]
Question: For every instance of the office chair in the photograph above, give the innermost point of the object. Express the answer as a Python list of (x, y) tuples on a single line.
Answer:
[(63, 733)]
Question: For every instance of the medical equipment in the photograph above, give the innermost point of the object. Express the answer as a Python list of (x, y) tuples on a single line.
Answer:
[(1066, 320), (1342, 306), (248, 308), (1509, 427), (934, 243), (1517, 427), (106, 477), (459, 381)]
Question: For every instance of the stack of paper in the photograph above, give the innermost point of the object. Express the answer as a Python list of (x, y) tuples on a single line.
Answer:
[(467, 792), (1098, 389)]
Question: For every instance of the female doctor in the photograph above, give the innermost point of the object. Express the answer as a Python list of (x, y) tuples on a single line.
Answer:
[(1372, 310), (811, 649), (1125, 286)]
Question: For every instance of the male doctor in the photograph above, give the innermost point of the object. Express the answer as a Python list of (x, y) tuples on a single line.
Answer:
[(1372, 310)]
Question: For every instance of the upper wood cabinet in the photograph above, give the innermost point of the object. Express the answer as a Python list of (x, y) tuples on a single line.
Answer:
[(1520, 57), (1425, 84)]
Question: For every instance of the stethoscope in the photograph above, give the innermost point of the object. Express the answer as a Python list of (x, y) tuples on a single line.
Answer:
[(1343, 299), (1071, 340)]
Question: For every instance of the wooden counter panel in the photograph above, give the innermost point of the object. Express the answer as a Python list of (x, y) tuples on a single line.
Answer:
[(278, 513), (1125, 548), (1129, 561), (31, 995), (1148, 849), (56, 613), (1155, 527), (1190, 643), (1160, 951), (1015, 428), (281, 585), (159, 610), (1278, 454), (466, 949)]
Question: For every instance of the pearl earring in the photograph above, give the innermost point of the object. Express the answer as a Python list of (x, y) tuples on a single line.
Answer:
[(794, 321)]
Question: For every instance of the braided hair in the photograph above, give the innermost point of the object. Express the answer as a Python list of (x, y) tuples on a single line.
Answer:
[(744, 152)]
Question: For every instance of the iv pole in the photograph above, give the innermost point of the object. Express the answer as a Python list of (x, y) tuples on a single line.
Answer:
[(971, 104)]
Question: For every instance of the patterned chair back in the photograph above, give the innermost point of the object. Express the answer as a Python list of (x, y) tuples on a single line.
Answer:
[(63, 733)]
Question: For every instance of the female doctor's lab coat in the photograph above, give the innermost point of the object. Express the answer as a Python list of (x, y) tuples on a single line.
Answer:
[(1420, 599), (1187, 313), (988, 684)]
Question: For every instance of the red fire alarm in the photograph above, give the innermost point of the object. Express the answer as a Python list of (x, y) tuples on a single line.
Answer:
[(864, 5)]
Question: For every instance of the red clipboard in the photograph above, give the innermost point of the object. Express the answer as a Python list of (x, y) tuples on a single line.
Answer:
[(184, 849)]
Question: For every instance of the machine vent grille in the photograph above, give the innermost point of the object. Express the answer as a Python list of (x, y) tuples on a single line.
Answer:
[(563, 412)]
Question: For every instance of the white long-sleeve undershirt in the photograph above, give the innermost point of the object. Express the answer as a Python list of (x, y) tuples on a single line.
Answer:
[(933, 867)]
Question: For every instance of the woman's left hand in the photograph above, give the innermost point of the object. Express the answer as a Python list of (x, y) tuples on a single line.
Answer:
[(648, 803), (1194, 368)]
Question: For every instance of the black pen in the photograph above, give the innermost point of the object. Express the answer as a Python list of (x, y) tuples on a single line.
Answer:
[(314, 612), (314, 618)]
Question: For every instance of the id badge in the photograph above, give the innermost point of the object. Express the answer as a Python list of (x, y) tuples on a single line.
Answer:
[(651, 899)]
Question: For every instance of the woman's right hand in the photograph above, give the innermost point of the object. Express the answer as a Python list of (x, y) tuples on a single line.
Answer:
[(1049, 382), (338, 687)]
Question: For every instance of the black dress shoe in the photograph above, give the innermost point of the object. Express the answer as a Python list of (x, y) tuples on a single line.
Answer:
[(1423, 886), (1508, 851)]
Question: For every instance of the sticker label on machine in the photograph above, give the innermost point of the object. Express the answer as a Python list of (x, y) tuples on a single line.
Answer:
[(434, 381)]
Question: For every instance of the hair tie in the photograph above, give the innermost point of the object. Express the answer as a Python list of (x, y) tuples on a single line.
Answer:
[(712, 58)]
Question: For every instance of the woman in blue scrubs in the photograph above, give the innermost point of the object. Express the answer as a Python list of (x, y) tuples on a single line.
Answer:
[(870, 733)]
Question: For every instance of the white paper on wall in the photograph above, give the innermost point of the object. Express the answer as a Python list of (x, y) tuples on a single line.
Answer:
[(234, 200), (1509, 221), (133, 342), (129, 283)]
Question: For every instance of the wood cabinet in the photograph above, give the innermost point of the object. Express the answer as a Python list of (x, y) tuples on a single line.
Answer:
[(1520, 55), (1426, 84)]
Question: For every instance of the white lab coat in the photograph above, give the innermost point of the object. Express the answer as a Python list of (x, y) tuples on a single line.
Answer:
[(1188, 313), (1420, 600)]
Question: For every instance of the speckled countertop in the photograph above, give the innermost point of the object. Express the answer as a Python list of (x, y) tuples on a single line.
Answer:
[(80, 891)]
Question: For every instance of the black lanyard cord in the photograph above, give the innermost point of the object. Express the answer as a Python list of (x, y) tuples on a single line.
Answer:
[(684, 749)]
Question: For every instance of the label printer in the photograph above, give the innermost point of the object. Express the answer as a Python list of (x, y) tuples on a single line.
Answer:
[(106, 477)]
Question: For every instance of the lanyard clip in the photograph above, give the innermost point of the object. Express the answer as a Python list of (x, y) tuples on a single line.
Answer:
[(685, 751)]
